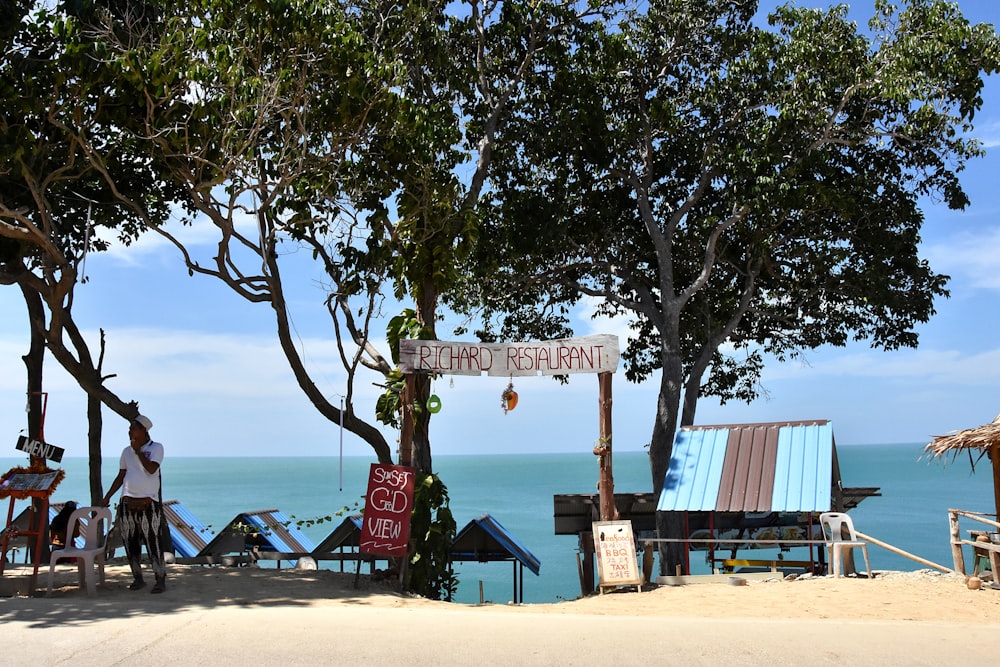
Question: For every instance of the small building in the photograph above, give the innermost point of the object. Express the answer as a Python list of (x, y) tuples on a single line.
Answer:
[(261, 535), (190, 536), (344, 544), (484, 540), (745, 486)]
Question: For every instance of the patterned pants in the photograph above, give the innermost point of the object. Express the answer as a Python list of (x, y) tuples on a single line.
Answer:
[(140, 528)]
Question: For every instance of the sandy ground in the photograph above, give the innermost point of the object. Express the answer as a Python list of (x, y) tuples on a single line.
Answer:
[(223, 616)]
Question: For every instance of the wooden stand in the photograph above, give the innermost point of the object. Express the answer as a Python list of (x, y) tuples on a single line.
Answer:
[(28, 484), (617, 561)]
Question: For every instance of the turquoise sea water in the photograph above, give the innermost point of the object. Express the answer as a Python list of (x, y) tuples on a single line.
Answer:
[(517, 491)]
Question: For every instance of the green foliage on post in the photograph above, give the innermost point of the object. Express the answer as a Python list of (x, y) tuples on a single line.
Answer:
[(432, 531)]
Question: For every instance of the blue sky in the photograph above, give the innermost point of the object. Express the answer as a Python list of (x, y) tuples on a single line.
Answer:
[(206, 367)]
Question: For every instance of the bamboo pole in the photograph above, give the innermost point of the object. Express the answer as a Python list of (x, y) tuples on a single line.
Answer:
[(976, 516), (905, 554)]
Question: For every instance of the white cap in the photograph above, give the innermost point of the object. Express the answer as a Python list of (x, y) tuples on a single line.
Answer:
[(143, 421)]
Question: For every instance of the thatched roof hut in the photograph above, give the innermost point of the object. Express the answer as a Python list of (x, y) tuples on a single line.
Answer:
[(976, 442)]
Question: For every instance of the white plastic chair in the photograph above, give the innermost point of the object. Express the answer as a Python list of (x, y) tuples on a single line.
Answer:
[(838, 531), (92, 533)]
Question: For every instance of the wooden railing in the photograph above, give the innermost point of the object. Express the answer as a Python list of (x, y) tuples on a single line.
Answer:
[(991, 548)]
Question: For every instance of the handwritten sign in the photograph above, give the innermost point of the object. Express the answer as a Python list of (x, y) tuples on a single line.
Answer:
[(565, 356), (388, 504), (39, 449), (617, 564)]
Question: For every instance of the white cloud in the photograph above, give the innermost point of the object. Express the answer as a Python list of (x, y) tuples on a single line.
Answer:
[(199, 234), (602, 324), (208, 393), (937, 367), (989, 134), (972, 257)]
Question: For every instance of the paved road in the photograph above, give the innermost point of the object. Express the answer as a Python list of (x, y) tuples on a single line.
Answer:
[(84, 632)]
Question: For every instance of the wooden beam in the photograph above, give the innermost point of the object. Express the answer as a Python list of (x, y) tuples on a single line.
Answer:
[(906, 554)]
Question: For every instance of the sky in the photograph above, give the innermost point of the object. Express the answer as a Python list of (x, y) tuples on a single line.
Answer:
[(205, 365)]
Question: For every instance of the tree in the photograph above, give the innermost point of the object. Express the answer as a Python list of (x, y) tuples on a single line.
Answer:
[(64, 174), (462, 80), (254, 115), (339, 129), (723, 183)]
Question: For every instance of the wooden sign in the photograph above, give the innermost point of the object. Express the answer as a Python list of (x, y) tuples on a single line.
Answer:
[(565, 356), (39, 449), (388, 505), (617, 564)]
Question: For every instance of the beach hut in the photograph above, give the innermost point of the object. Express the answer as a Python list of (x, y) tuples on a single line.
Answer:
[(744, 486), (187, 532), (484, 540), (261, 535), (345, 540), (976, 443)]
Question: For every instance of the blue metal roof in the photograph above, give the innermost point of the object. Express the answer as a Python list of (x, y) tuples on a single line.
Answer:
[(274, 532), (769, 467), (279, 532), (188, 533), (484, 539)]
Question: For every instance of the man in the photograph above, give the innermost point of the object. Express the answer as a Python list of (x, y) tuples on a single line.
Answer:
[(140, 513)]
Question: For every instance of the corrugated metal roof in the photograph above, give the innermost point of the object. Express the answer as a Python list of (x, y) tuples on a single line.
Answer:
[(767, 467), (277, 531), (484, 539), (274, 533), (188, 533)]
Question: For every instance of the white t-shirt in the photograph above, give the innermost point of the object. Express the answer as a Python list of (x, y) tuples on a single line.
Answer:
[(138, 483)]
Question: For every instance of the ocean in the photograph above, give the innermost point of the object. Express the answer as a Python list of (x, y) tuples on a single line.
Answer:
[(911, 514)]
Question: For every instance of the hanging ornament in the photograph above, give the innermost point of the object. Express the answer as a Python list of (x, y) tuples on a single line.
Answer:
[(451, 382), (433, 404), (508, 399)]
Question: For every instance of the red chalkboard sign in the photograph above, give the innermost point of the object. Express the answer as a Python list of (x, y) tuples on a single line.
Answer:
[(388, 504)]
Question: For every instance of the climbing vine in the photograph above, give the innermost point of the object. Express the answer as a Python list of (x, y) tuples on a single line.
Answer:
[(432, 529)]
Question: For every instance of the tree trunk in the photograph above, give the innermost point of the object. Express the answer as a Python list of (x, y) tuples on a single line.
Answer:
[(34, 362), (95, 422), (421, 426), (660, 447), (426, 314)]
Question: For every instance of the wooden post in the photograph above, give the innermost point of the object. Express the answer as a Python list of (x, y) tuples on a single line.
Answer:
[(995, 457), (956, 542), (588, 581), (606, 482), (406, 430)]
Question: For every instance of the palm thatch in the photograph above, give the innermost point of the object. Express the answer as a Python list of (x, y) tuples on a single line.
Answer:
[(976, 442), (983, 439)]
